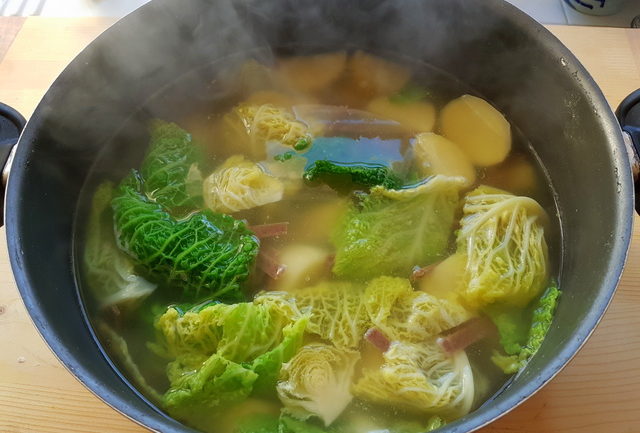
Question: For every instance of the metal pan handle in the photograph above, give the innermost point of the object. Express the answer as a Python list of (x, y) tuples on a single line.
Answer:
[(11, 125), (628, 114)]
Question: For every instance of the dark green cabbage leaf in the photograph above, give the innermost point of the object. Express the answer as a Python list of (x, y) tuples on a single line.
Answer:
[(166, 169), (344, 177), (205, 254)]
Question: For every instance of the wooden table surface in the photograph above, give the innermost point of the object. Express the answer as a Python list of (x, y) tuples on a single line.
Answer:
[(599, 391)]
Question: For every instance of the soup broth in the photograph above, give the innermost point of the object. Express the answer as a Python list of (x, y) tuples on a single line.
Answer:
[(338, 243)]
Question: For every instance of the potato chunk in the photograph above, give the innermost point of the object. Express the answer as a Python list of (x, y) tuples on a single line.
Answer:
[(270, 97), (445, 279), (478, 128), (376, 76), (304, 264), (517, 174), (436, 155), (313, 74), (416, 116)]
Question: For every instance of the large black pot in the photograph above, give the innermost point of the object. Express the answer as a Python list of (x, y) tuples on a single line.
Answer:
[(490, 45)]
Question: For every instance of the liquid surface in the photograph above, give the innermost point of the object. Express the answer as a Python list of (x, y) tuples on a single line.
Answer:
[(386, 270)]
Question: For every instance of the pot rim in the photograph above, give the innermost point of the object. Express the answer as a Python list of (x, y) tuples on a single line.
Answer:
[(475, 420)]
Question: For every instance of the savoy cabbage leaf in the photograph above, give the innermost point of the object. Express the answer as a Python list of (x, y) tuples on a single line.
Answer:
[(224, 353), (109, 271), (213, 384), (317, 382), (391, 231), (420, 378), (503, 237), (169, 167), (541, 318), (336, 310), (205, 254)]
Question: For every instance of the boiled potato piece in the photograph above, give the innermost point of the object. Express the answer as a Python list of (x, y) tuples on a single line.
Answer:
[(416, 116), (437, 155), (444, 280), (516, 174), (479, 129), (304, 265), (376, 76), (318, 222), (253, 76), (312, 74), (231, 134), (370, 357), (262, 97)]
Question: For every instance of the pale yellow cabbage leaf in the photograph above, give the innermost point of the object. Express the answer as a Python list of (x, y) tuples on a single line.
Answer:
[(317, 381), (240, 184), (268, 122), (336, 308), (403, 314), (503, 238), (420, 378)]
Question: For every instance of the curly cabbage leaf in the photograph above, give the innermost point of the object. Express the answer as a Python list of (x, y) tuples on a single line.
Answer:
[(406, 315), (542, 317), (240, 353), (110, 272), (214, 384), (381, 296), (249, 330), (512, 324), (204, 254), (337, 312), (257, 124), (267, 122), (239, 184), (269, 364), (343, 177), (239, 332), (420, 378), (316, 382), (503, 238), (391, 231), (168, 168), (284, 302), (191, 333)]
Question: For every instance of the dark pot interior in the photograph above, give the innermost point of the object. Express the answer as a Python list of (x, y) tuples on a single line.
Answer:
[(491, 46)]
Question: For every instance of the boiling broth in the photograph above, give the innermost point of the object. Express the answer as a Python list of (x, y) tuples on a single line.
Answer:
[(312, 211)]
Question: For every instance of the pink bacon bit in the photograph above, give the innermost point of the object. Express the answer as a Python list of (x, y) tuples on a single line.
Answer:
[(465, 334), (378, 339), (268, 262), (419, 272), (331, 260), (263, 231)]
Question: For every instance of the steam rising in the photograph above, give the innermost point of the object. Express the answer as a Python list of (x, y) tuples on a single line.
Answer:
[(197, 47), (170, 58)]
